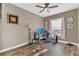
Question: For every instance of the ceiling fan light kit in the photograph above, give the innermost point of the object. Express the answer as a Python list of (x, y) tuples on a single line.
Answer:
[(46, 7)]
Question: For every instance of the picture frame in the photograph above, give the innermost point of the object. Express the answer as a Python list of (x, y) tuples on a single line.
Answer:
[(13, 19), (70, 22), (70, 19)]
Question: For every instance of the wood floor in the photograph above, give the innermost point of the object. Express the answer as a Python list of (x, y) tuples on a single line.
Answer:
[(58, 49)]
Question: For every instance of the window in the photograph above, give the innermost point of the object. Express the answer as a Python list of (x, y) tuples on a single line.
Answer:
[(57, 26)]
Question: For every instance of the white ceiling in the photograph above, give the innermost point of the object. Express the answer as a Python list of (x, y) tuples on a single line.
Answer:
[(62, 8)]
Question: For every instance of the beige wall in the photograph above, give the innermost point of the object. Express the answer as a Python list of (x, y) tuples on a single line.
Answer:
[(71, 35), (78, 26), (15, 34)]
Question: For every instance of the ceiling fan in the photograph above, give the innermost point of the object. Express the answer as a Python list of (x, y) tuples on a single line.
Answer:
[(46, 7)]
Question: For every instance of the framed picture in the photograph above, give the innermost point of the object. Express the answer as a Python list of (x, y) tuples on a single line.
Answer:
[(70, 22), (12, 19), (69, 19), (0, 10)]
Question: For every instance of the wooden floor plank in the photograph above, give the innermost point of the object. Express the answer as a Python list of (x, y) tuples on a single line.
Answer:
[(58, 49)]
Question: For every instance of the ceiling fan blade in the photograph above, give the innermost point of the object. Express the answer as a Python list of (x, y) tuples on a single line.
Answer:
[(39, 6), (53, 6), (42, 10)]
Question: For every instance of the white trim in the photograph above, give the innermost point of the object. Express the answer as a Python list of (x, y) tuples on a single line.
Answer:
[(10, 48), (68, 42)]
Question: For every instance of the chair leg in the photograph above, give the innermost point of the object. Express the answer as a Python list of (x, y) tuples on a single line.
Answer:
[(38, 41)]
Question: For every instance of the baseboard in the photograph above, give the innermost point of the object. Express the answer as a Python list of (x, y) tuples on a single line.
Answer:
[(10, 48), (68, 42)]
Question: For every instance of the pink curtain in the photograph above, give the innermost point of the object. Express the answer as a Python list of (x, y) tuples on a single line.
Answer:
[(47, 24), (63, 29), (50, 26)]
